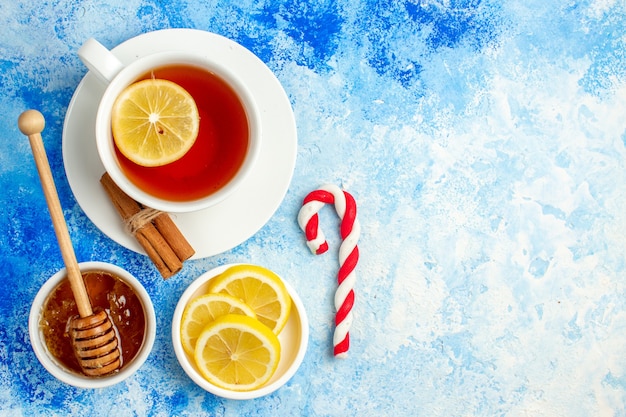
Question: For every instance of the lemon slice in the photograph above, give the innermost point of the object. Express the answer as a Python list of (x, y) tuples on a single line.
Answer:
[(237, 352), (259, 288), (205, 309), (154, 122)]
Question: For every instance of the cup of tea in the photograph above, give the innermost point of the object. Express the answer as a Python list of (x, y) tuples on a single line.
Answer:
[(228, 141), (109, 287)]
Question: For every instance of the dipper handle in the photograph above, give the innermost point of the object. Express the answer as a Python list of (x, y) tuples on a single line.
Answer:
[(31, 123)]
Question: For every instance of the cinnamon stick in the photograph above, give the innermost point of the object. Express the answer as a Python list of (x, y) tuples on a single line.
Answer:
[(160, 238), (172, 234)]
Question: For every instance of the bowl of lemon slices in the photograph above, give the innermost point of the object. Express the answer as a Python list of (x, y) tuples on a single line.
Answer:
[(240, 331)]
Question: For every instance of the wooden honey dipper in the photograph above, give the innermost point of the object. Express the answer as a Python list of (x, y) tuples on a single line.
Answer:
[(93, 335)]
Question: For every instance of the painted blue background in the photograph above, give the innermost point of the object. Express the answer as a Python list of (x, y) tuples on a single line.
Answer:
[(485, 143)]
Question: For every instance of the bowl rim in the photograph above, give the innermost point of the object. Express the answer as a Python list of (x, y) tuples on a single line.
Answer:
[(59, 371), (195, 376)]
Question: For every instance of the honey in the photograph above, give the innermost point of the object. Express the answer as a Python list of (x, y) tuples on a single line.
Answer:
[(107, 292)]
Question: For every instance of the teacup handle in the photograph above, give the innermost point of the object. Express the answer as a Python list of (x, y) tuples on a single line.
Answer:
[(99, 60)]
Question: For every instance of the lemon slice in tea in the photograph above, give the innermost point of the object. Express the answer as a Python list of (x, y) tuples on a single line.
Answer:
[(237, 352), (154, 122)]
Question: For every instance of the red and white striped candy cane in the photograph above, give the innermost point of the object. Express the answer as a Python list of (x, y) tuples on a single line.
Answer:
[(350, 230)]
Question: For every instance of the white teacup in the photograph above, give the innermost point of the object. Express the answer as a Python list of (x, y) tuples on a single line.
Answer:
[(110, 70)]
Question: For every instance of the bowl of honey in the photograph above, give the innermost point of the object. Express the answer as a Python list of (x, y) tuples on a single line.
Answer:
[(110, 288)]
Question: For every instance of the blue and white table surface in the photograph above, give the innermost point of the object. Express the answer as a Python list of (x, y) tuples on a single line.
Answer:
[(485, 144)]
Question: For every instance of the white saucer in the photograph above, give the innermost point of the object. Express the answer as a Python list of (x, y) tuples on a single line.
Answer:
[(231, 222)]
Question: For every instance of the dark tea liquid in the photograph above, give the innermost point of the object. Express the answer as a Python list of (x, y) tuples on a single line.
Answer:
[(105, 291), (219, 150)]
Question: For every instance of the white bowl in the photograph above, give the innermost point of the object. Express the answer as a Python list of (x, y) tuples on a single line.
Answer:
[(66, 375), (293, 341)]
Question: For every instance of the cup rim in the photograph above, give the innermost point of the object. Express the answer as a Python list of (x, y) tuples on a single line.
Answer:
[(53, 366), (128, 74), (270, 387)]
